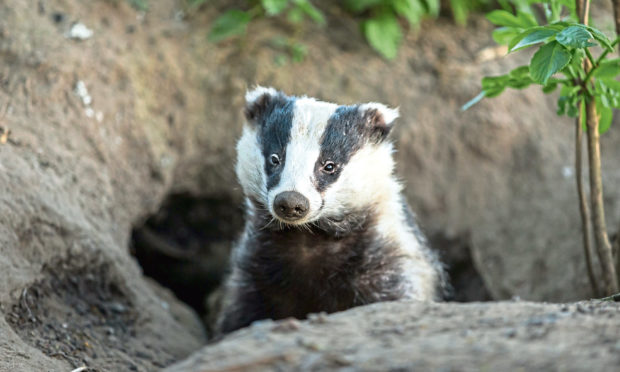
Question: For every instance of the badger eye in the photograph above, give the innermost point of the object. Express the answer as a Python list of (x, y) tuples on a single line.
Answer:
[(329, 167), (274, 159)]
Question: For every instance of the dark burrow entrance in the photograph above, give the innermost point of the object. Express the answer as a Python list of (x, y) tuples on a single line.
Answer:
[(185, 246)]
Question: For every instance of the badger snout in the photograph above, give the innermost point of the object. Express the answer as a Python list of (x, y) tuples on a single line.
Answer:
[(291, 205)]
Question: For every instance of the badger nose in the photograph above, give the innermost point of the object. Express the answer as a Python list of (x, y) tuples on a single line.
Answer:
[(291, 205)]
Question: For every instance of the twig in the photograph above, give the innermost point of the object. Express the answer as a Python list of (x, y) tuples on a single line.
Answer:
[(615, 250), (80, 369), (583, 204), (616, 4), (583, 10), (596, 200)]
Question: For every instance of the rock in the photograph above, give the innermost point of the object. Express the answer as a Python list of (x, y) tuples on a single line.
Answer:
[(501, 337), (79, 31)]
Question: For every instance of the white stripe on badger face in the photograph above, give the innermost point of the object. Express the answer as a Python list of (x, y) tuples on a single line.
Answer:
[(250, 169), (309, 121), (366, 181)]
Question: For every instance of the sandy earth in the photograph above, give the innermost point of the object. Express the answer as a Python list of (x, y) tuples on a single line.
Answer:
[(501, 336), (159, 116)]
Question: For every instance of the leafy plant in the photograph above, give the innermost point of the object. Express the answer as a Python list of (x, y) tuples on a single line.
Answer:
[(589, 92), (381, 21), (234, 22), (142, 5), (382, 27)]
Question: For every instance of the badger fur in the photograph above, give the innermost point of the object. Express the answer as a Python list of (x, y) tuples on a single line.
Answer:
[(326, 228)]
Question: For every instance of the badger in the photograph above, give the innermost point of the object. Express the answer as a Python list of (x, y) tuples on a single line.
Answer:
[(327, 227)]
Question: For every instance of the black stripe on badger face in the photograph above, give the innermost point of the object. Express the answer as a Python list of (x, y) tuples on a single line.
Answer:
[(275, 133), (347, 130)]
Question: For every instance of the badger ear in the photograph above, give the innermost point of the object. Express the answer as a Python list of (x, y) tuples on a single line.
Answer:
[(379, 119), (257, 101)]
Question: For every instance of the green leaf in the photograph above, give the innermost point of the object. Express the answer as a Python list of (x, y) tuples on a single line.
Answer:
[(360, 5), (298, 52), (531, 37), (384, 34), (504, 18), (612, 85), (550, 87), (562, 101), (608, 69), (605, 116), (548, 60), (231, 23), (520, 83), (490, 82), (432, 7), (410, 9), (295, 15), (504, 35), (520, 72), (507, 19), (518, 78), (600, 37), (274, 7), (574, 37), (527, 19), (577, 60), (142, 5), (311, 11), (570, 91), (573, 109), (460, 10), (196, 3)]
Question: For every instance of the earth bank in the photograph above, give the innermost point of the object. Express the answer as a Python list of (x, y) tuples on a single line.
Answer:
[(159, 116)]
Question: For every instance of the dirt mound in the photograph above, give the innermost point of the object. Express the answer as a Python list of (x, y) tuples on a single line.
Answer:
[(85, 316), (88, 156), (103, 129), (501, 336)]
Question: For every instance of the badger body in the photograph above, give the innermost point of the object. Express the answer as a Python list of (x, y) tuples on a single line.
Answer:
[(327, 227)]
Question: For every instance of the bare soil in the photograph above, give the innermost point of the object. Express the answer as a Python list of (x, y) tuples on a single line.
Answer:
[(85, 316), (402, 336), (491, 186)]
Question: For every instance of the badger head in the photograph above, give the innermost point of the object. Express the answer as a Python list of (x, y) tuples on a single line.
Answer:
[(305, 161)]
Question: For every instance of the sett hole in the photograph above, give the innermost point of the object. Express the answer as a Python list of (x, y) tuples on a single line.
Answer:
[(185, 245), (466, 281)]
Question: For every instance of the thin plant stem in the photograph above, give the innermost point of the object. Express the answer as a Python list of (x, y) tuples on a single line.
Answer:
[(583, 204), (616, 246), (603, 246), (590, 57), (616, 5)]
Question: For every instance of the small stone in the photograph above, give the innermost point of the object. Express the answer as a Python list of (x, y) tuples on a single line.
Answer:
[(82, 92), (79, 31), (286, 325), (318, 318), (117, 307)]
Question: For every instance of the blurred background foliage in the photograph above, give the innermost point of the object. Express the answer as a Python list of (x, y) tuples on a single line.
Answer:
[(382, 22)]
